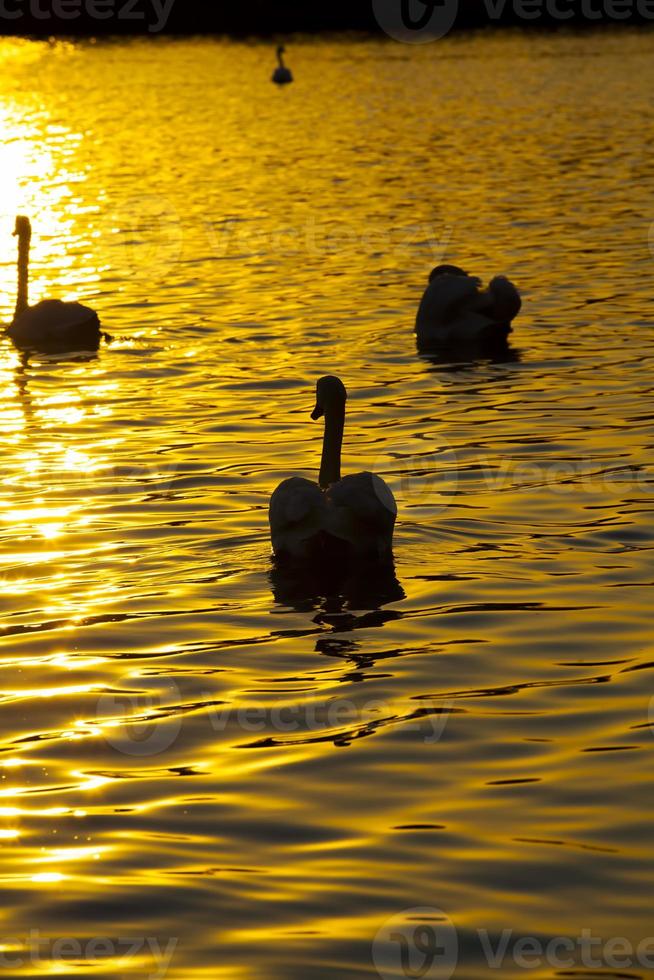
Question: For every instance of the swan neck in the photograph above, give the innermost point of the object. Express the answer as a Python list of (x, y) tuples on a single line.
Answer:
[(330, 466), (22, 301), (280, 59)]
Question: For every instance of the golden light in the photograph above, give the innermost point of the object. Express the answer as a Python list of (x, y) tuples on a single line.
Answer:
[(48, 878)]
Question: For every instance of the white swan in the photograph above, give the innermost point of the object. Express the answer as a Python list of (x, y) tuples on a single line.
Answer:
[(349, 517), (455, 309), (51, 323), (282, 75)]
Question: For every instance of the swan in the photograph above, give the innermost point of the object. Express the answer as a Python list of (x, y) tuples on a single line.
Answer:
[(282, 75), (455, 309), (51, 323), (349, 517)]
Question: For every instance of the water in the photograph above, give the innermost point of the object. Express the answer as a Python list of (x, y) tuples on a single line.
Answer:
[(247, 774)]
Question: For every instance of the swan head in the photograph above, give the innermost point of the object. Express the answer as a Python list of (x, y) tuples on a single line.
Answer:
[(446, 270), (23, 227), (330, 394), (280, 50)]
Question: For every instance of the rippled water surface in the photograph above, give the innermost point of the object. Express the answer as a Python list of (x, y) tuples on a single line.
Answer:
[(246, 772)]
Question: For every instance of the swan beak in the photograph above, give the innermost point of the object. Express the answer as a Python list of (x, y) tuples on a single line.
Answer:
[(317, 412)]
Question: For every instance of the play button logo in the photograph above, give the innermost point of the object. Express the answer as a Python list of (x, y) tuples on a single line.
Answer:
[(416, 21)]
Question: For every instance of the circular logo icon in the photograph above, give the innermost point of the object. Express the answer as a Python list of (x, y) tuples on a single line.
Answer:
[(416, 21), (419, 943), (422, 478), (140, 724), (147, 235)]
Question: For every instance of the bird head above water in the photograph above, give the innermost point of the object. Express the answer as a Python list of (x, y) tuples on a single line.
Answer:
[(330, 395), (23, 227), (446, 270)]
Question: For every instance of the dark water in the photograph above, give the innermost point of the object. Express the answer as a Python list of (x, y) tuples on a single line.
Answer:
[(249, 774)]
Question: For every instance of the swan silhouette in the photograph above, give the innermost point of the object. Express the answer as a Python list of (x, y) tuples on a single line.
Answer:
[(338, 518), (50, 323), (282, 75), (455, 309)]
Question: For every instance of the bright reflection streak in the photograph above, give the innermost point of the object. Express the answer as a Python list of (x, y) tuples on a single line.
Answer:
[(51, 692), (72, 662), (35, 514), (92, 782), (15, 811), (73, 854)]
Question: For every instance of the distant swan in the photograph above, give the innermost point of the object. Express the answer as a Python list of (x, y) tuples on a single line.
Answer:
[(455, 309), (282, 75), (353, 516), (51, 323)]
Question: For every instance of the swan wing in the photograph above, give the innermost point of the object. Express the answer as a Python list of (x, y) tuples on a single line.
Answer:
[(362, 511), (296, 515), (446, 298), (507, 301), (474, 328)]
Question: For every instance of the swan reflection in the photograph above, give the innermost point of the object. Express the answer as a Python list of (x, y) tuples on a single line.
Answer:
[(21, 376), (459, 357), (335, 591)]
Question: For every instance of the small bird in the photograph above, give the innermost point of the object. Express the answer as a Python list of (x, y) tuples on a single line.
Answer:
[(51, 323), (336, 518), (455, 309), (282, 75)]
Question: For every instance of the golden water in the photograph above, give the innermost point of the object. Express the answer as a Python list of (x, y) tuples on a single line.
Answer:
[(195, 749)]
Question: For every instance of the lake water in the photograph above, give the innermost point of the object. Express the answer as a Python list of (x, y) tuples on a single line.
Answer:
[(254, 775)]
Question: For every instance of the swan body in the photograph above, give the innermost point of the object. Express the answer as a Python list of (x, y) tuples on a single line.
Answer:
[(335, 518), (455, 309), (52, 322), (282, 75)]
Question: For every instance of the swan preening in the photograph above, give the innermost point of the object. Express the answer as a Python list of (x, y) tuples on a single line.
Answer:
[(456, 310), (50, 323), (282, 75), (349, 517)]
